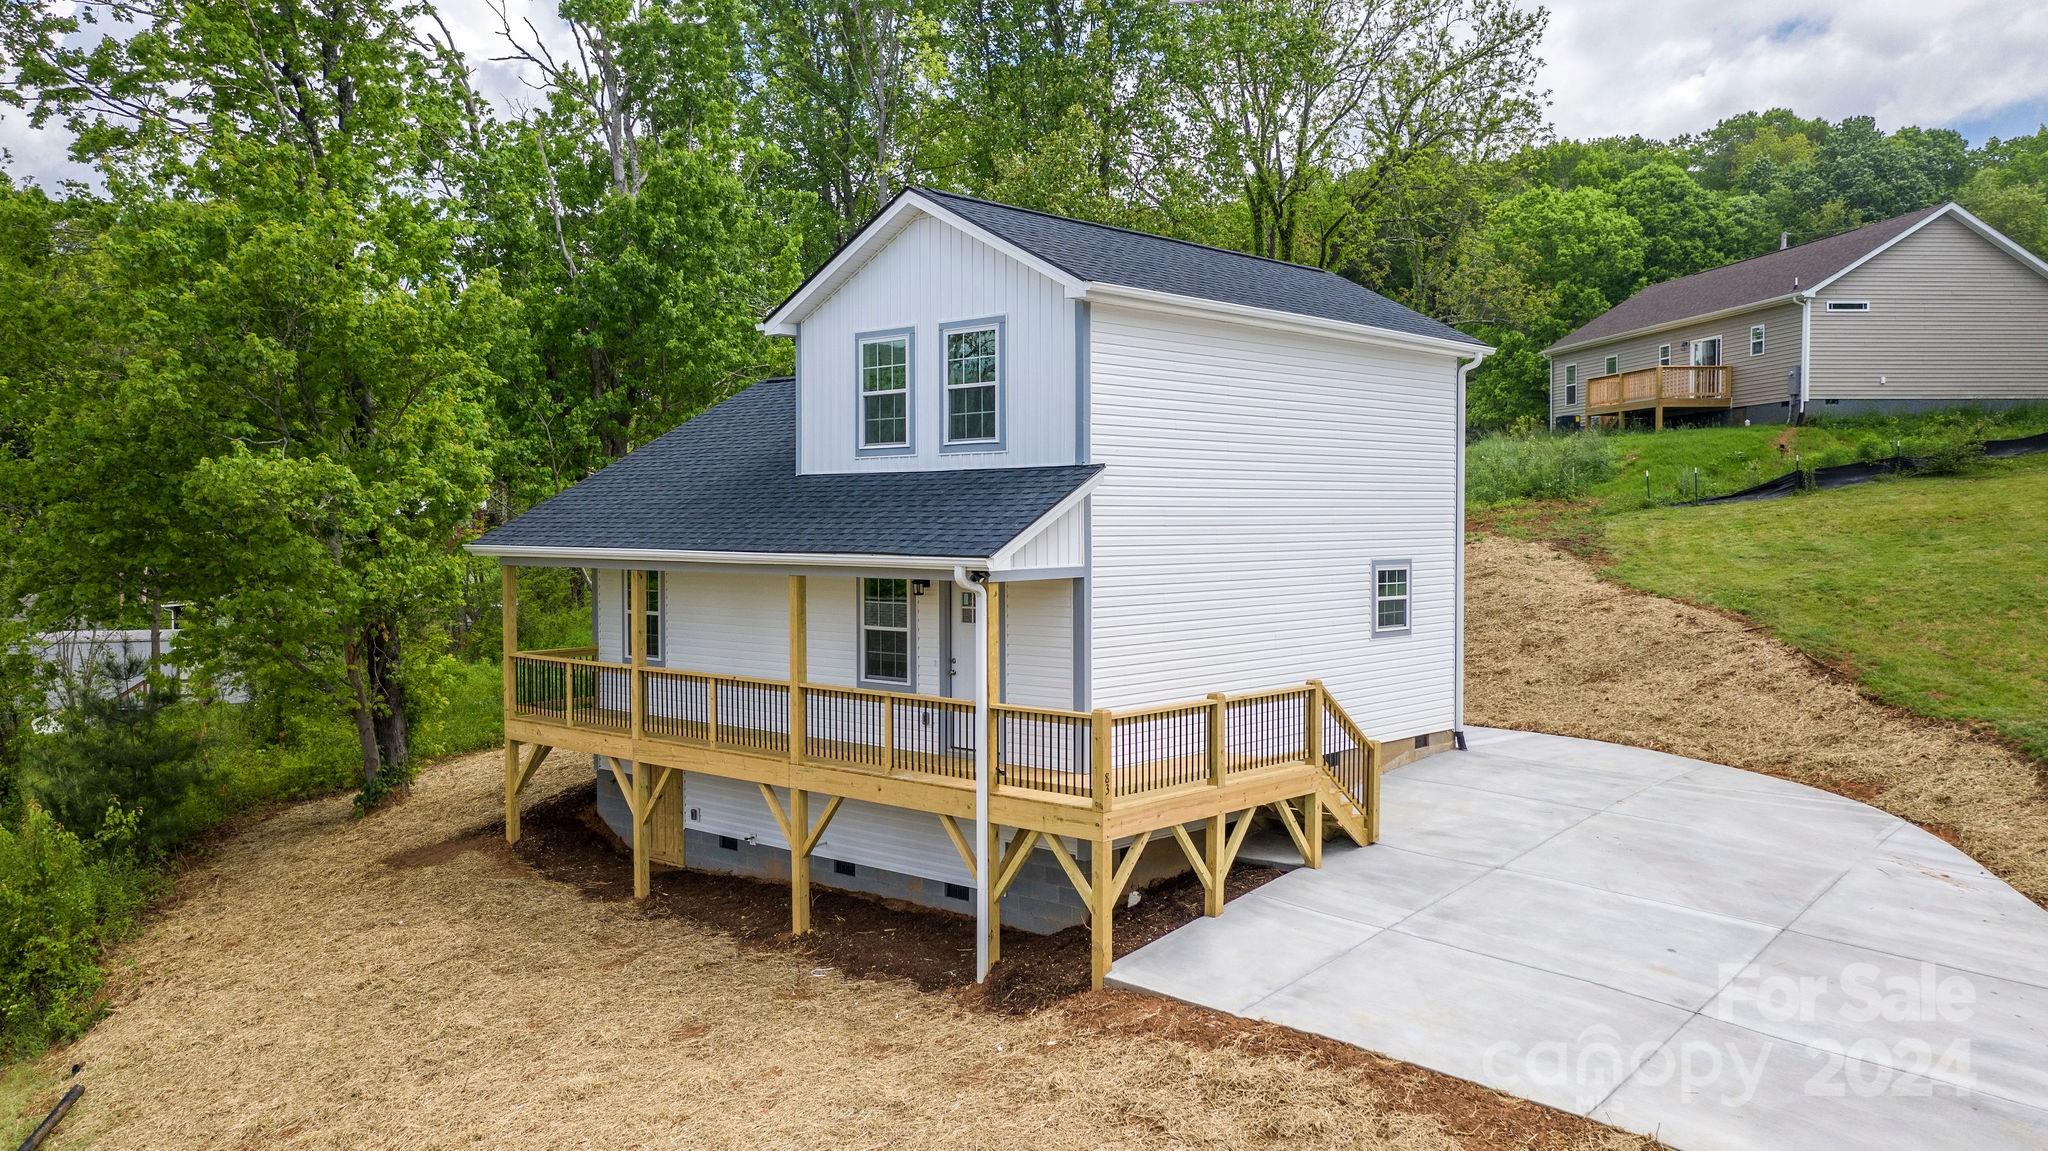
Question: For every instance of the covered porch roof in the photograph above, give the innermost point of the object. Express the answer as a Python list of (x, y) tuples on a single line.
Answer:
[(723, 488)]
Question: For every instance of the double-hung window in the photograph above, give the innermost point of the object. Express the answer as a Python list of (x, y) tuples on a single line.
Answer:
[(1663, 355), (1390, 594), (885, 632), (885, 391), (1756, 339), (650, 620), (1610, 365), (1571, 384), (973, 382)]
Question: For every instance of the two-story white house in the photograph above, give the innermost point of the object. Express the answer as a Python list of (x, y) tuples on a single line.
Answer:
[(1064, 540)]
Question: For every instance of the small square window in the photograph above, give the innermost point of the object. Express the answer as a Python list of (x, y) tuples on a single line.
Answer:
[(1390, 596), (957, 891), (841, 867)]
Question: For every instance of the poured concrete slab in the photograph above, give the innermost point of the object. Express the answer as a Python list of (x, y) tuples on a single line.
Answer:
[(1604, 929)]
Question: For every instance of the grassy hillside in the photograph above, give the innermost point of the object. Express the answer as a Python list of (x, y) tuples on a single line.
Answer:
[(1933, 592), (1622, 472)]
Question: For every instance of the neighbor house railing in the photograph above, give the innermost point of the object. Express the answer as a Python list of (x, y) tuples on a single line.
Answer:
[(1098, 757), (1665, 383)]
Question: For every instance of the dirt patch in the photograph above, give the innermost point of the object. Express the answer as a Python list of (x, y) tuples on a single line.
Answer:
[(1553, 647), (407, 981)]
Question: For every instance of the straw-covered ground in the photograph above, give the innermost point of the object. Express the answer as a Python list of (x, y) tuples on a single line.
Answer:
[(407, 981), (1553, 647)]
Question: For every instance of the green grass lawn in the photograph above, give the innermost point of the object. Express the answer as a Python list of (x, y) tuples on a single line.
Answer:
[(1932, 591)]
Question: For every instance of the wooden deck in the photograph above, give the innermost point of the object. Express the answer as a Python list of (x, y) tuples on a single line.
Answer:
[(1656, 389), (1115, 780)]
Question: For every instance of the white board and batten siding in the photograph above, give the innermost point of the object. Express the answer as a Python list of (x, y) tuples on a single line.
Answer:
[(929, 275), (1253, 479)]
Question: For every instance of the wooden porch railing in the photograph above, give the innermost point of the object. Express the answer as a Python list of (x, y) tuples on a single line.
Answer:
[(1703, 384), (1099, 757)]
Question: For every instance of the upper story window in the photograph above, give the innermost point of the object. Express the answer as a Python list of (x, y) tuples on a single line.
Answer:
[(1610, 365), (974, 372), (1848, 305), (1663, 355), (1571, 383), (885, 632), (1756, 340), (885, 390), (650, 620)]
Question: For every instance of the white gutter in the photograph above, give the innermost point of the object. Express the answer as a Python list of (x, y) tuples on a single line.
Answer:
[(638, 557), (962, 578), (1458, 564), (1669, 325)]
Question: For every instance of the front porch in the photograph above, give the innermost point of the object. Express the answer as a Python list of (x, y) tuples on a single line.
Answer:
[(1092, 788)]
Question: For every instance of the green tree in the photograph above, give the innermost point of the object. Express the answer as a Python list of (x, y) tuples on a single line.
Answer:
[(1685, 227)]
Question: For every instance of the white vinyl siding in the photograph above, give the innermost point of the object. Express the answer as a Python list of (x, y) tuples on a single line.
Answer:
[(1234, 540), (932, 276), (1952, 318), (1391, 593), (1038, 643), (886, 658)]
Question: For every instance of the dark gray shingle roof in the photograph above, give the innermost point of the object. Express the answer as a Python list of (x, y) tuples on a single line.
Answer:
[(726, 481), (1107, 255), (1751, 281)]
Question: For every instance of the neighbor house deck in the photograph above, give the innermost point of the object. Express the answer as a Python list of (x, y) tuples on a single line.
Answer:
[(1112, 780), (1657, 388)]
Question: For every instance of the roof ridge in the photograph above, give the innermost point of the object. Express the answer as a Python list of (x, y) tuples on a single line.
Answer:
[(1921, 212), (1126, 231)]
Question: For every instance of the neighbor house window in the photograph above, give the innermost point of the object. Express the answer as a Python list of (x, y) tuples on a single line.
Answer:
[(885, 391), (1756, 340), (885, 631), (1390, 598), (973, 382), (651, 621), (1848, 305), (1610, 365), (1663, 355), (1571, 384)]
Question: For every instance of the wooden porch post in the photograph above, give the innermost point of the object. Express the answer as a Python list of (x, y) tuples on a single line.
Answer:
[(799, 860), (1215, 827), (1101, 877), (799, 662), (636, 639), (509, 605)]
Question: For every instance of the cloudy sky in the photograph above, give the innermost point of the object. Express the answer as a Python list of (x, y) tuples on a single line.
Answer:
[(1654, 67)]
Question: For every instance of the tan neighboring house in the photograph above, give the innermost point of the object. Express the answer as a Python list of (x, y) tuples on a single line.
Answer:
[(1932, 309)]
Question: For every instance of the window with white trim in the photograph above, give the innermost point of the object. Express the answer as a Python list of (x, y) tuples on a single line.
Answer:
[(1571, 384), (1663, 355), (1610, 365), (1756, 339), (885, 631), (1848, 305), (650, 620), (1390, 597), (973, 379), (885, 392)]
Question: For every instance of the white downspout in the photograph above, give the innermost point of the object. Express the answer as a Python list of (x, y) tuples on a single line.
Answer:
[(979, 590), (1805, 357), (1458, 564)]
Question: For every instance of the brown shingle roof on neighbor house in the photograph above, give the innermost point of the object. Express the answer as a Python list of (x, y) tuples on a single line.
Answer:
[(1752, 281)]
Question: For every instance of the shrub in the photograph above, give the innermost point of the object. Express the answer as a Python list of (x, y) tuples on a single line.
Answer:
[(1503, 469), (124, 755), (62, 902), (1954, 458)]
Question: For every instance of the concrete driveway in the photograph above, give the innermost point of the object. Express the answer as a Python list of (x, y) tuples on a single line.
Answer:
[(1714, 957)]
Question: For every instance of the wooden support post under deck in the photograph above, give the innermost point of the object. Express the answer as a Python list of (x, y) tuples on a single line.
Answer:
[(799, 663), (799, 860), (1312, 814), (1101, 898), (994, 847), (636, 639), (1213, 848), (509, 607)]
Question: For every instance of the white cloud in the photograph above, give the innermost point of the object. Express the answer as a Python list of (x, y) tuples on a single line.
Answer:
[(1614, 67), (1623, 67)]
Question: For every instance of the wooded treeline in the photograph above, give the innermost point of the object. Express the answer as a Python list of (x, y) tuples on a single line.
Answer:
[(332, 312)]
